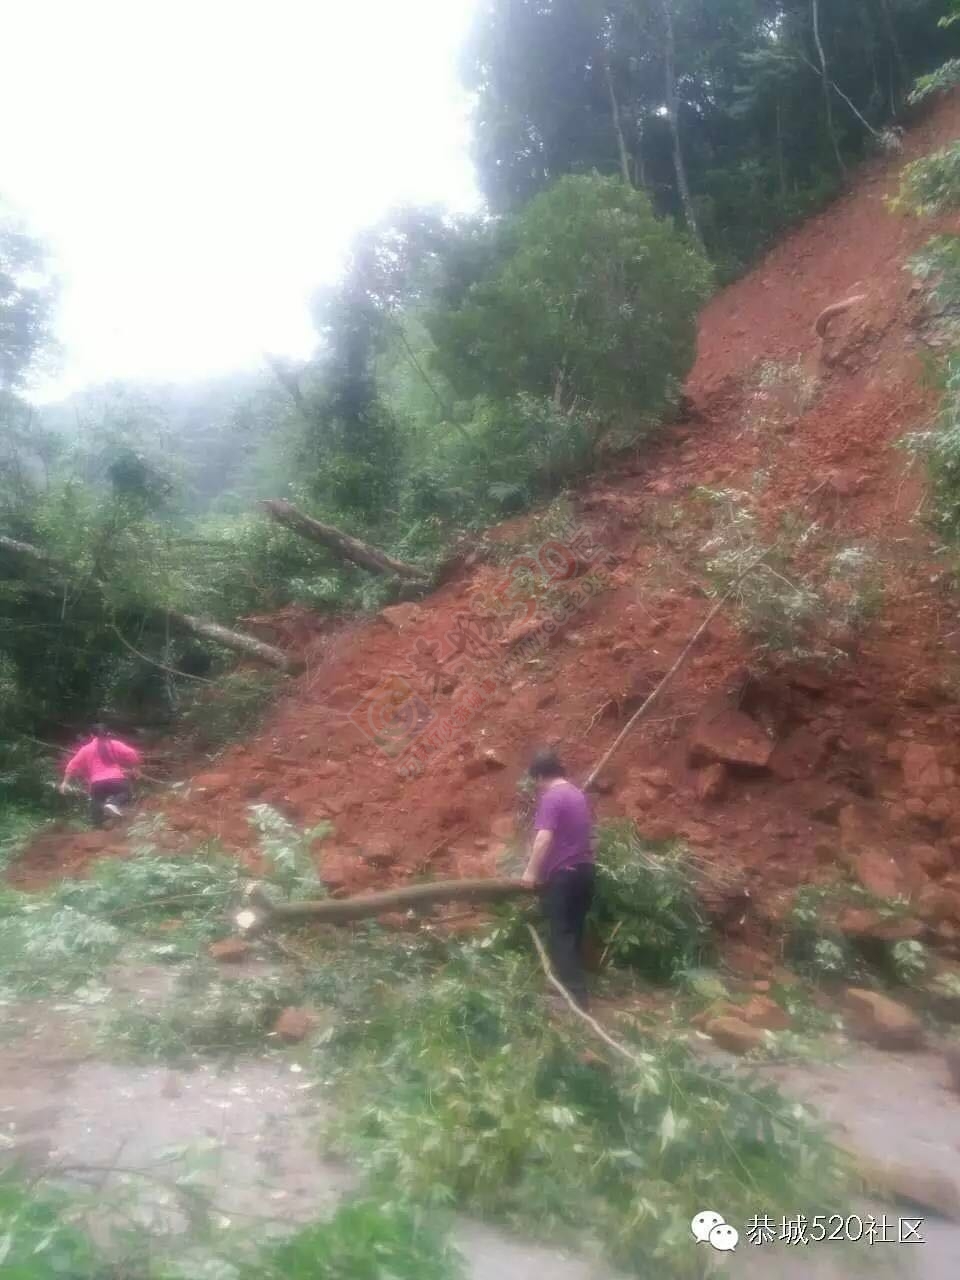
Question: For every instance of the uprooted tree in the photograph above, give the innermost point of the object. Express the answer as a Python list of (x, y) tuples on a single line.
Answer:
[(236, 641), (341, 544)]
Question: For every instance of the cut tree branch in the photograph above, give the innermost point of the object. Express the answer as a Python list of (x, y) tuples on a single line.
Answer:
[(591, 1022), (341, 544), (268, 913)]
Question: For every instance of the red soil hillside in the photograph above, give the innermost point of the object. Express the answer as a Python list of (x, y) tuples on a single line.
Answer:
[(866, 758)]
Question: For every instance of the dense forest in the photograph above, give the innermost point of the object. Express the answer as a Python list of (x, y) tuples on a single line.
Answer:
[(633, 155)]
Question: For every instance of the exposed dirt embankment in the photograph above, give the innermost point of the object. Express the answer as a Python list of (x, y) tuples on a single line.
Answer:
[(862, 760)]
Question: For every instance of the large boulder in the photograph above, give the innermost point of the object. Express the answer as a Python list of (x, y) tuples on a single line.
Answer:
[(735, 1035), (878, 873), (799, 755), (229, 950), (711, 783), (884, 1022), (761, 1011), (865, 923), (922, 773), (936, 902), (294, 1024), (399, 616), (723, 734)]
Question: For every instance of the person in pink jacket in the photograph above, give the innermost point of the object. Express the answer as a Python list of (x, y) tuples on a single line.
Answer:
[(104, 764)]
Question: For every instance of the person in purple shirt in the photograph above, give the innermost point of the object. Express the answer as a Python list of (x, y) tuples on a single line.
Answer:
[(561, 866)]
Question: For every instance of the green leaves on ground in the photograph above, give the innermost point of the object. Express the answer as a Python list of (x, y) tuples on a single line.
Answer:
[(364, 1240), (460, 1091), (43, 1237), (37, 1238), (931, 185)]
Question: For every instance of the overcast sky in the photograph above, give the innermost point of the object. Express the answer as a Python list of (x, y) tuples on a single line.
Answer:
[(197, 166)]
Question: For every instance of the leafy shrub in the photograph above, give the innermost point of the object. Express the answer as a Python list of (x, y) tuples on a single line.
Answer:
[(931, 185), (791, 601), (817, 946), (946, 77), (910, 960), (941, 446), (287, 851), (645, 908), (813, 943), (938, 265)]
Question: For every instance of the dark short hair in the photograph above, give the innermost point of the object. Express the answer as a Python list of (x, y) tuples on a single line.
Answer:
[(546, 764), (99, 729)]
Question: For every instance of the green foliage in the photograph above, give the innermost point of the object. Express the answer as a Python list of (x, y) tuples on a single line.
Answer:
[(946, 77), (791, 601), (44, 1236), (941, 445), (459, 1091), (454, 1088), (17, 825), (575, 89), (364, 1240), (911, 961), (509, 453), (61, 941), (287, 851), (148, 903), (594, 303), (37, 1238), (814, 945), (645, 908), (233, 707), (206, 1015), (26, 300), (818, 947), (938, 266), (51, 947), (931, 184)]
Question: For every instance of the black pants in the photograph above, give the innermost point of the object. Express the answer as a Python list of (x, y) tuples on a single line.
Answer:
[(101, 792), (566, 899)]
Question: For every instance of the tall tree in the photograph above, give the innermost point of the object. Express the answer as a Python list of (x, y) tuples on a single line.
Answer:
[(26, 298)]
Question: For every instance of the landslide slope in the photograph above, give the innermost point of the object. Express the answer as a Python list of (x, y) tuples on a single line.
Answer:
[(866, 766)]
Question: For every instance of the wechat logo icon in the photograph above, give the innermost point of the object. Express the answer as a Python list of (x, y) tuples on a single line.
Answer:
[(710, 1228)]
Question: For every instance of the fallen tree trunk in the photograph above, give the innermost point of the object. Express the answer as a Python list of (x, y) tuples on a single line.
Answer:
[(237, 641), (25, 551), (342, 544), (267, 913)]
